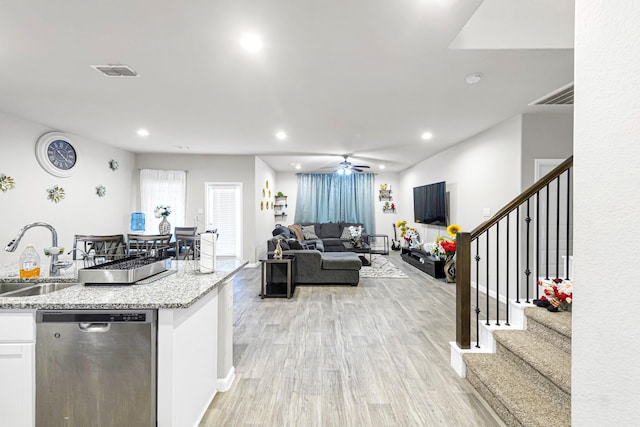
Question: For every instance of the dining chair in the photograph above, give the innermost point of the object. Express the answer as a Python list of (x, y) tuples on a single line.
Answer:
[(187, 242), (96, 249), (148, 244)]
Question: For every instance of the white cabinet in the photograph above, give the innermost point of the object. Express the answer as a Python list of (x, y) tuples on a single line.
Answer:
[(17, 368)]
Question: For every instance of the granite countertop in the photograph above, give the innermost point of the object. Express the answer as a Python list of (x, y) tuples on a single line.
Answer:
[(179, 290)]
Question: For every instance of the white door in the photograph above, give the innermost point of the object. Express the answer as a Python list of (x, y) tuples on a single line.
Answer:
[(224, 213)]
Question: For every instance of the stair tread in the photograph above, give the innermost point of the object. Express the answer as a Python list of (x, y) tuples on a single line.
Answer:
[(525, 400), (559, 322), (543, 356)]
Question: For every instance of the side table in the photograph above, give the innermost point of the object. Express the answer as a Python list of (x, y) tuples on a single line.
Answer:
[(289, 264), (385, 244)]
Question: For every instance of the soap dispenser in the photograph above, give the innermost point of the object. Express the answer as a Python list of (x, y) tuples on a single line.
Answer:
[(29, 263)]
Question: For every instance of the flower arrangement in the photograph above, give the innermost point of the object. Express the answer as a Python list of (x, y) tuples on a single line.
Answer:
[(443, 247), (162, 210), (557, 293), (356, 235)]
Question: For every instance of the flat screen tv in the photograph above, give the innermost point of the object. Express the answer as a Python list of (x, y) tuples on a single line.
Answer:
[(430, 204)]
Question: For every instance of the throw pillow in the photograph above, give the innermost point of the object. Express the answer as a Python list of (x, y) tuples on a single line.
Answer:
[(309, 232), (294, 244), (295, 228), (346, 235)]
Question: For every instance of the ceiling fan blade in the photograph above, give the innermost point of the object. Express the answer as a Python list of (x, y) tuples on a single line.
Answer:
[(360, 166), (356, 169)]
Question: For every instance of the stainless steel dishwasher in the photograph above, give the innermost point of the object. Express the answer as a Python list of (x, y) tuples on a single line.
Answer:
[(96, 368)]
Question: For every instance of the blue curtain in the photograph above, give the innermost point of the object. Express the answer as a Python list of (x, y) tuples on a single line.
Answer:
[(329, 197)]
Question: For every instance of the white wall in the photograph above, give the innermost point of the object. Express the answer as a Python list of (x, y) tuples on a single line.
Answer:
[(481, 172), (606, 340), (544, 136), (265, 218), (384, 221), (210, 168), (81, 212)]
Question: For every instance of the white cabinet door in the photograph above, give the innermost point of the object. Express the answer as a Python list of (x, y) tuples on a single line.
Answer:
[(16, 377)]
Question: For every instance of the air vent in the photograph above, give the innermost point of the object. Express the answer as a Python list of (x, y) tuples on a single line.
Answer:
[(562, 96), (116, 70)]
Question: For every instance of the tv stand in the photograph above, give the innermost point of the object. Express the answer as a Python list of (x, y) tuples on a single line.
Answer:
[(423, 262)]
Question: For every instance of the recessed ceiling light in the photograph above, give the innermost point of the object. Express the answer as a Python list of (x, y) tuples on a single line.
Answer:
[(382, 166), (143, 132), (473, 78), (281, 135), (251, 42), (426, 136), (298, 166)]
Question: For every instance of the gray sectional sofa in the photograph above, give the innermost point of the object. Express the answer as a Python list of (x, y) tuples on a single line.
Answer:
[(328, 235), (314, 267), (320, 260)]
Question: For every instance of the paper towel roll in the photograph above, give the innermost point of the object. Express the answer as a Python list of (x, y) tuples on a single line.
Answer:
[(207, 253)]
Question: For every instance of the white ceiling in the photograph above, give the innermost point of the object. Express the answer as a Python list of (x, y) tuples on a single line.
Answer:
[(356, 77)]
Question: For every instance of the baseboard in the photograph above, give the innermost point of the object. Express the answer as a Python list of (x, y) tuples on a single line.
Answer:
[(252, 265), (225, 383)]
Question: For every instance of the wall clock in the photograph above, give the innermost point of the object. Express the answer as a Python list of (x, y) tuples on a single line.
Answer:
[(57, 154)]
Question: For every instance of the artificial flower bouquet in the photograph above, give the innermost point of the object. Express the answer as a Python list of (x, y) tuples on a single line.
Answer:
[(558, 294), (162, 210), (356, 235), (445, 248)]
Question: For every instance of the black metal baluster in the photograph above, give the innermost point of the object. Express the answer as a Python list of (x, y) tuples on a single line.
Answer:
[(566, 273), (537, 276), (518, 254), (498, 273), (546, 226), (507, 265), (477, 292), (558, 228), (527, 271), (487, 284)]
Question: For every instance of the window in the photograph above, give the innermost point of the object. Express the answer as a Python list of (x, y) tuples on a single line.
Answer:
[(160, 187), (224, 213)]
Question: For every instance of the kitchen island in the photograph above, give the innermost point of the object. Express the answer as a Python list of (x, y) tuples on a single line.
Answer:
[(194, 337)]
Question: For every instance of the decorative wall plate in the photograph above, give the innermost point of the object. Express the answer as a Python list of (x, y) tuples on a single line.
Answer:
[(267, 184), (57, 154), (6, 183), (101, 190), (261, 206), (264, 193), (56, 194), (113, 165)]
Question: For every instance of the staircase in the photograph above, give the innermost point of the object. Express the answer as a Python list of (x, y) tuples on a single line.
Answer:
[(527, 381)]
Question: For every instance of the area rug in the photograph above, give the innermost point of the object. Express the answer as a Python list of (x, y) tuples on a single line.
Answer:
[(382, 268)]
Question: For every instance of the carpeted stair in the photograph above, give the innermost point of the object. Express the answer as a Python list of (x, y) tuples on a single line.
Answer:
[(528, 380)]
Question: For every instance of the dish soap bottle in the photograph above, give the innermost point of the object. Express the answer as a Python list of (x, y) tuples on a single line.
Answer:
[(29, 263)]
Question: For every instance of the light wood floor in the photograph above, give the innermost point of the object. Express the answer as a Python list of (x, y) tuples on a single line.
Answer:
[(372, 355)]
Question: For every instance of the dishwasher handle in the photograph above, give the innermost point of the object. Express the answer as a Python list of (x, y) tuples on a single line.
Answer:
[(94, 327)]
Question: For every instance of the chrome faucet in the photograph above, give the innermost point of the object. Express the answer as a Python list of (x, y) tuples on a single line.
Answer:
[(11, 247)]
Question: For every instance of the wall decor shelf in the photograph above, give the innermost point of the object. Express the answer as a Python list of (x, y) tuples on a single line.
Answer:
[(279, 206), (385, 195), (389, 210)]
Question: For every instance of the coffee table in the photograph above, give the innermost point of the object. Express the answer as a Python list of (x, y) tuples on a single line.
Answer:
[(361, 250)]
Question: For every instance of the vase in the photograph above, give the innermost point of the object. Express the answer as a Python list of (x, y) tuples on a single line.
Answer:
[(450, 269), (165, 226)]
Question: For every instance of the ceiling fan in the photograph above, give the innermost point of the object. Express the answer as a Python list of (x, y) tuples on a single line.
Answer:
[(345, 167)]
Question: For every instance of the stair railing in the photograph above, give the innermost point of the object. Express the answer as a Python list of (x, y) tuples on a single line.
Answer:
[(482, 262)]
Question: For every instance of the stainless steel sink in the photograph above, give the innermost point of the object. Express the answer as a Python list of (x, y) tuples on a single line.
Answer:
[(28, 290), (10, 287)]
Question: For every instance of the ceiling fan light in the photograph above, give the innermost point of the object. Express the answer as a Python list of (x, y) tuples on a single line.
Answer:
[(340, 171), (347, 171)]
